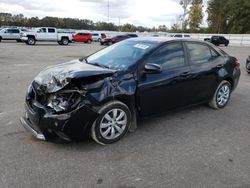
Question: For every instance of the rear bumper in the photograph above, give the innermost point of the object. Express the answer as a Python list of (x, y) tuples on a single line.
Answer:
[(236, 76)]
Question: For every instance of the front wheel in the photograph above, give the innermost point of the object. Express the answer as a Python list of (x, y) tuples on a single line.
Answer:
[(221, 95), (112, 124), (31, 41)]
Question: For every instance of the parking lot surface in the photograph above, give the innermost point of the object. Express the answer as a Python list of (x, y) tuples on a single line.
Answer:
[(196, 147)]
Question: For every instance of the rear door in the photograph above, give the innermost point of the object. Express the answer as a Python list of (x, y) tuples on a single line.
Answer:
[(52, 34), (16, 34), (205, 63), (169, 89)]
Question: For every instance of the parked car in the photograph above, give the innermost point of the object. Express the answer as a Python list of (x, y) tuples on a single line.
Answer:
[(180, 35), (131, 35), (97, 37), (217, 40), (248, 65), (113, 40), (11, 34), (103, 94), (48, 34), (83, 37)]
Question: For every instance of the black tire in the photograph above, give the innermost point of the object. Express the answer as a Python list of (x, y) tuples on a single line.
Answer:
[(60, 42), (101, 43), (106, 109), (19, 40), (31, 41), (226, 44), (0, 39), (214, 103), (65, 41)]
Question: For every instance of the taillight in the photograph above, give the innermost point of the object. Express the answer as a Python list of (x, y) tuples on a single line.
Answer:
[(237, 62)]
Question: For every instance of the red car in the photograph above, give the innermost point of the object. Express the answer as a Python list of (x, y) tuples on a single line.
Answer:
[(83, 37), (109, 41)]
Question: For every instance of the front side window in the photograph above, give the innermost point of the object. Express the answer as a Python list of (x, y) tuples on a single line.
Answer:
[(178, 36), (199, 53), (16, 31), (169, 56)]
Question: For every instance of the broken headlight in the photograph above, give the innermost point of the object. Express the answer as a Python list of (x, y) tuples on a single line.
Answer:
[(64, 101), (53, 81)]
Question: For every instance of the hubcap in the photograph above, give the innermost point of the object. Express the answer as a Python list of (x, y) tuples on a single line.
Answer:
[(223, 95), (31, 41), (113, 124), (65, 41)]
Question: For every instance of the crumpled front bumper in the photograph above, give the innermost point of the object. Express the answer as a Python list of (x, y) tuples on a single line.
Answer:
[(47, 126)]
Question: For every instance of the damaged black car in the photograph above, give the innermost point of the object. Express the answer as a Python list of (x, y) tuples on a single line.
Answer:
[(102, 95)]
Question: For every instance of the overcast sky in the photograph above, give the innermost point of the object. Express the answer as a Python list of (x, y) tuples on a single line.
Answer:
[(139, 12)]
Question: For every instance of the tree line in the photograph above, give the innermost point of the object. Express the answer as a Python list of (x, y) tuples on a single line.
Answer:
[(224, 16)]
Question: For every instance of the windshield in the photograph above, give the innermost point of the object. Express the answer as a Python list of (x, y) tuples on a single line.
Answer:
[(121, 55)]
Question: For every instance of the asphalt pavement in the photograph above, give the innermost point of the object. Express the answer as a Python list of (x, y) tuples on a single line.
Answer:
[(196, 147)]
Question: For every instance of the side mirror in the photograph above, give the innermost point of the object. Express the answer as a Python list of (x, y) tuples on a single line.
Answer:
[(151, 68)]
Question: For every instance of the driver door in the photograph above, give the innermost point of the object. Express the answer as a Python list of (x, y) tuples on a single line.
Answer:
[(169, 89)]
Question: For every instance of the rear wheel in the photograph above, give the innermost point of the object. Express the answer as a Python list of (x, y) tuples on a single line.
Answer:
[(65, 41), (226, 44), (31, 41), (0, 39), (112, 124), (221, 95)]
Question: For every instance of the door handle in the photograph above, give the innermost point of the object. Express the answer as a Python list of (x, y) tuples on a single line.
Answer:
[(185, 74), (219, 66)]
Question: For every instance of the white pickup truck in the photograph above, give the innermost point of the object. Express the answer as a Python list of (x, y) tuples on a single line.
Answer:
[(48, 34)]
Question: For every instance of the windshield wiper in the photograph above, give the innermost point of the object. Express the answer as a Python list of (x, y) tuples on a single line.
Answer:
[(99, 65)]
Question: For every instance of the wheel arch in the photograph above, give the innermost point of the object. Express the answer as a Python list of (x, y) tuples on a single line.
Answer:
[(230, 80)]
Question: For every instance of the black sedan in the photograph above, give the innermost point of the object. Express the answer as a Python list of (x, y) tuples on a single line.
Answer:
[(218, 40), (104, 93)]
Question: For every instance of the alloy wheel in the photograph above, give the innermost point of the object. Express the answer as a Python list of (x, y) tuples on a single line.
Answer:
[(113, 124), (223, 95)]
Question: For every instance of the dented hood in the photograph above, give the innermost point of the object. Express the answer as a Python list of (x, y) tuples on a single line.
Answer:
[(54, 78)]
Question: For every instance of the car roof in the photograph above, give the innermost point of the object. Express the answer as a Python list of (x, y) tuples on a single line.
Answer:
[(163, 39)]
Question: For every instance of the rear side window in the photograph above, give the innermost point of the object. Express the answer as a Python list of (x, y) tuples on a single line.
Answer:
[(200, 53), (51, 30), (169, 56)]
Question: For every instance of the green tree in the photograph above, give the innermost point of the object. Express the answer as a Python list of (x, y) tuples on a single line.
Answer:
[(218, 15), (195, 16)]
